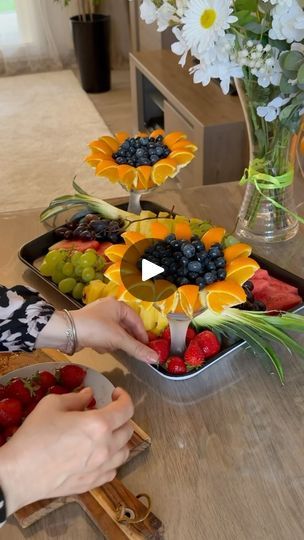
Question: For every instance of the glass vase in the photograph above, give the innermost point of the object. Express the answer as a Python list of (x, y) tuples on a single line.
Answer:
[(268, 211)]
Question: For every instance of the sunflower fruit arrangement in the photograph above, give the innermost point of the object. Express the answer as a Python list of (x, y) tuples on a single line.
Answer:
[(142, 162)]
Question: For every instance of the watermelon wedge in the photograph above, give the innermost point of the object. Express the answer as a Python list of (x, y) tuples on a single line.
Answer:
[(77, 245), (274, 293)]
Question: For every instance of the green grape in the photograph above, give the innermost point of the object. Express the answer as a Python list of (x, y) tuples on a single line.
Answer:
[(59, 266), (57, 276), (66, 285), (75, 258), (46, 269), (88, 274), (52, 257), (99, 275), (78, 271), (77, 291), (100, 263), (88, 259), (68, 269)]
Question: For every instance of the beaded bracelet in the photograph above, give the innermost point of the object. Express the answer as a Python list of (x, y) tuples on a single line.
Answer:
[(71, 334), (3, 515)]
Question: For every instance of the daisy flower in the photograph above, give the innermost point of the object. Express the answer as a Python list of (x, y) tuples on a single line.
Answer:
[(205, 21)]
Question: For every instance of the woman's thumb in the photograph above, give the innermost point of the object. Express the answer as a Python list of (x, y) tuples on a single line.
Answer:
[(76, 401)]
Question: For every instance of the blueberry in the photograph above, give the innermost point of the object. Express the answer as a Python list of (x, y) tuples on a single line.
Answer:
[(151, 145), (144, 141), (202, 257), (132, 150), (143, 161), (221, 274), (140, 152), (173, 267), (121, 160), (180, 281), (210, 266), (220, 262), (167, 260), (209, 278), (152, 139), (159, 151), (214, 252), (182, 271), (159, 138), (198, 245), (184, 261), (200, 281), (154, 159), (194, 266), (193, 275), (188, 250), (125, 145), (177, 255), (170, 238), (176, 245)]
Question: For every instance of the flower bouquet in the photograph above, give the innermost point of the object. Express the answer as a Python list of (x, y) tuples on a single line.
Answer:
[(140, 163), (260, 43)]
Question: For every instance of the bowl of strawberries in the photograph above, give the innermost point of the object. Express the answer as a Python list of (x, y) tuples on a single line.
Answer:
[(22, 389)]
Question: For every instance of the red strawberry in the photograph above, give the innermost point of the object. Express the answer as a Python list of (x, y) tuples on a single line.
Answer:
[(19, 389), (9, 432), (151, 336), (29, 409), (92, 404), (162, 347), (191, 333), (166, 333), (10, 412), (45, 379), (208, 342), (2, 392), (2, 439), (39, 393), (194, 355), (56, 389), (71, 376), (176, 365)]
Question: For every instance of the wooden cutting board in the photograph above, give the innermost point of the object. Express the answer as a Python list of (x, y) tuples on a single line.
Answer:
[(117, 512)]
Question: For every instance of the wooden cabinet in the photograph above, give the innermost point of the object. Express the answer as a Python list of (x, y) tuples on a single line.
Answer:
[(163, 94)]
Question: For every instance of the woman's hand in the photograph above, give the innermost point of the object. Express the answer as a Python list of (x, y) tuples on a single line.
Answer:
[(104, 325), (63, 450)]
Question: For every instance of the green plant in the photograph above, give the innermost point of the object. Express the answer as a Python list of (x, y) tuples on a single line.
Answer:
[(85, 7)]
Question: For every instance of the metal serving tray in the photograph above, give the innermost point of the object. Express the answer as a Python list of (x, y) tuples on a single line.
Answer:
[(38, 247)]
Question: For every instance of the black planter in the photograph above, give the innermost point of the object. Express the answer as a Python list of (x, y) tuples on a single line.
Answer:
[(92, 48)]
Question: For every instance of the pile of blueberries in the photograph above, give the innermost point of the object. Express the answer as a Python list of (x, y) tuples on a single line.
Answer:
[(187, 262), (137, 151)]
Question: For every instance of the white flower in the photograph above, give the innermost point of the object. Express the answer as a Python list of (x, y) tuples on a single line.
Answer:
[(205, 21), (180, 47), (287, 22), (165, 14), (180, 7), (271, 111), (269, 72), (148, 11)]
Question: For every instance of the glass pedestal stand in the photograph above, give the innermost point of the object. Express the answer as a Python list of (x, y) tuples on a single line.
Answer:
[(179, 323), (134, 205)]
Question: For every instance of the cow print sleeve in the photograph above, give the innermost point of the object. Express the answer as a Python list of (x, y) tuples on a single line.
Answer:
[(23, 314)]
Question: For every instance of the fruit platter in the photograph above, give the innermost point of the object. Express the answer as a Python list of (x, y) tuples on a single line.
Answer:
[(22, 389), (213, 295)]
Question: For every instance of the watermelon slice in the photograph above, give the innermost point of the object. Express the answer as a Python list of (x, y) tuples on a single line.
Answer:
[(274, 293), (102, 247), (77, 245)]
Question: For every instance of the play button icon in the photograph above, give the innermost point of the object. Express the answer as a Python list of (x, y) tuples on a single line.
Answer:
[(150, 270)]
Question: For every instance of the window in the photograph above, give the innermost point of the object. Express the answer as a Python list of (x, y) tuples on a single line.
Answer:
[(9, 28)]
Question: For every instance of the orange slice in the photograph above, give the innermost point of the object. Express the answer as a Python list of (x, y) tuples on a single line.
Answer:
[(159, 230), (223, 294), (127, 296), (173, 138), (111, 142), (95, 158), (241, 269), (144, 174), (127, 175), (157, 132), (188, 299), (182, 231), (182, 157), (116, 252), (184, 145), (213, 236), (131, 237), (162, 170), (169, 304), (109, 169), (113, 273), (237, 250), (101, 146), (121, 136)]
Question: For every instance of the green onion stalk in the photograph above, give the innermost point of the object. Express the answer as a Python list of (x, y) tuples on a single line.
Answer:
[(259, 329)]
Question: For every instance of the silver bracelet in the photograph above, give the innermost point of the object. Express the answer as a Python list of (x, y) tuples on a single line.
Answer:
[(71, 334)]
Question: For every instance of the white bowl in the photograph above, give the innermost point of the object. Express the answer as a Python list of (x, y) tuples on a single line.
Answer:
[(101, 386)]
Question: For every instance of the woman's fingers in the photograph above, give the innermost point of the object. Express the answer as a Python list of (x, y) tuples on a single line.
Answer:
[(132, 323), (135, 348)]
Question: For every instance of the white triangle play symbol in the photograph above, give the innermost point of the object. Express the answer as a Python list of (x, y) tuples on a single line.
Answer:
[(150, 270)]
